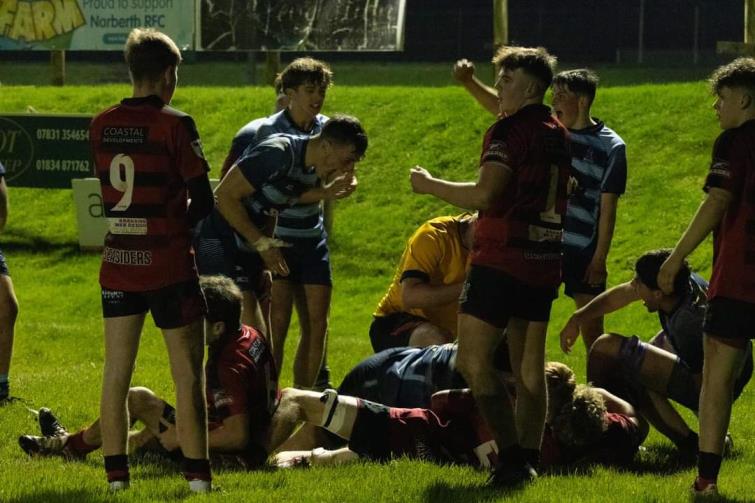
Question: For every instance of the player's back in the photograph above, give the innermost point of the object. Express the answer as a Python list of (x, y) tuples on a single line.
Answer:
[(144, 154)]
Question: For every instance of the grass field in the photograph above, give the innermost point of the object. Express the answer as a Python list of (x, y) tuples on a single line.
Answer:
[(669, 129)]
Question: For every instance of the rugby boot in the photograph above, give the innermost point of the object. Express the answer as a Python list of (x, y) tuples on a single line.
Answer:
[(49, 425), (511, 477), (43, 446), (703, 489)]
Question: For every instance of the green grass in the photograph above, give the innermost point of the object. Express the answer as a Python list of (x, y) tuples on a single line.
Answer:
[(669, 129)]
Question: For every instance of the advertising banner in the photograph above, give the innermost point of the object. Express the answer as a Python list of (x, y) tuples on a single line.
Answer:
[(45, 150), (303, 25), (91, 25)]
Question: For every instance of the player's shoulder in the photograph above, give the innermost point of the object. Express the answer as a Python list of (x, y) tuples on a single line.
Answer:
[(609, 136), (104, 115), (250, 128), (437, 230)]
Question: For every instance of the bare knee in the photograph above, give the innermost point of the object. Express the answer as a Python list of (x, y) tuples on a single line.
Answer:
[(142, 402), (428, 334), (607, 345)]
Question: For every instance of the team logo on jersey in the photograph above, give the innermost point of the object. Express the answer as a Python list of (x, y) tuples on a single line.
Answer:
[(720, 168), (258, 347), (497, 151), (196, 146)]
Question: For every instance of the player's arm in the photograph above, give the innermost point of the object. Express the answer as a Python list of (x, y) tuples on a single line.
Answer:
[(3, 203), (477, 195), (486, 96), (596, 272), (418, 294), (230, 193), (609, 301), (615, 404), (202, 200), (231, 436), (708, 216)]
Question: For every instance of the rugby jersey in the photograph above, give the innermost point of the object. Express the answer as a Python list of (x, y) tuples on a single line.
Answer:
[(144, 153), (599, 164)]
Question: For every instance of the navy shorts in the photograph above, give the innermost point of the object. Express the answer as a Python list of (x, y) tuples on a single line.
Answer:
[(494, 297), (172, 307), (221, 255), (393, 330), (3, 265), (308, 261), (730, 319), (370, 380), (573, 268)]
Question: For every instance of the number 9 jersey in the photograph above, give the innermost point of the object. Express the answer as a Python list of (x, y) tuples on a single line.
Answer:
[(145, 152)]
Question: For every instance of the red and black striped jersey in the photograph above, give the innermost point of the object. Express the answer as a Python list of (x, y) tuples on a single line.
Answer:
[(145, 152), (520, 233)]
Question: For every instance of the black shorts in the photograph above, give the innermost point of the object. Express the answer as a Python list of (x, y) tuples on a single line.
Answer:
[(494, 297), (393, 330), (573, 268), (308, 261), (172, 307), (3, 265), (221, 255), (730, 319)]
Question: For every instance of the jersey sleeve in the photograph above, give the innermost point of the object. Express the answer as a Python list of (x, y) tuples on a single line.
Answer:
[(423, 254), (728, 165), (190, 158), (264, 163), (615, 180), (504, 145)]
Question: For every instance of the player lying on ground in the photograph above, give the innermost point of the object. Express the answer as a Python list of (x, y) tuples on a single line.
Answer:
[(670, 366), (453, 431), (241, 392), (422, 303)]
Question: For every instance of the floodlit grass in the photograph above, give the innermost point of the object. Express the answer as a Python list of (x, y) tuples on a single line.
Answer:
[(669, 129)]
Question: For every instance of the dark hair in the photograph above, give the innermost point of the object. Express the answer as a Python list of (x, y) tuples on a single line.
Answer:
[(223, 299), (149, 53), (305, 71), (648, 265), (582, 82), (738, 73), (346, 130), (535, 61)]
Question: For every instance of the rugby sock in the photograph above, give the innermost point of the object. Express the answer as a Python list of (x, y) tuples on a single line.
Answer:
[(333, 414), (689, 443), (708, 466), (512, 455), (197, 472), (532, 456), (77, 445), (117, 468), (4, 386)]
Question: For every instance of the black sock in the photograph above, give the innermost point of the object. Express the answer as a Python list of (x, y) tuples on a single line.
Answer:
[(708, 465), (512, 455), (117, 468), (690, 442), (196, 469), (532, 456)]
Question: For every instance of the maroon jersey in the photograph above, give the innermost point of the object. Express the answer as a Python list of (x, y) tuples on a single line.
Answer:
[(520, 234), (242, 379), (144, 153), (733, 169)]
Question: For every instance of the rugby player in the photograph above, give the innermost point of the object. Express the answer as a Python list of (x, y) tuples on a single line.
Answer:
[(272, 176), (149, 160), (516, 258), (670, 366), (599, 166), (728, 211), (241, 390), (420, 307), (8, 301)]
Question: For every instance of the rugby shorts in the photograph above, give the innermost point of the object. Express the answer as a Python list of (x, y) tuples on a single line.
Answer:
[(730, 319), (308, 261), (393, 330), (573, 268), (173, 306), (221, 255)]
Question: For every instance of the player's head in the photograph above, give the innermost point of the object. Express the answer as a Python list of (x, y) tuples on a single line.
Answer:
[(573, 94), (281, 99), (734, 87), (561, 383), (525, 74), (645, 280), (153, 59), (305, 82), (344, 143), (580, 422), (223, 299)]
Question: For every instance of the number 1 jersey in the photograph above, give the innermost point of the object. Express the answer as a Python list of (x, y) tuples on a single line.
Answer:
[(144, 153)]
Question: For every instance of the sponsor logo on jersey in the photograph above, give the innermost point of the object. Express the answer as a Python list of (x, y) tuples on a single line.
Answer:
[(127, 257), (128, 226), (496, 152), (221, 398), (256, 350), (720, 168), (124, 135)]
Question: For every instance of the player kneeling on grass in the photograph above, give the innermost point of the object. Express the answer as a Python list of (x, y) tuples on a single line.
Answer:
[(241, 391), (670, 366), (451, 430)]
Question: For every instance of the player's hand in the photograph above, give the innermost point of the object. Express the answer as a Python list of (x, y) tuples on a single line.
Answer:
[(341, 186), (667, 273), (274, 261), (169, 439), (569, 334), (596, 273), (463, 71), (420, 179), (572, 186)]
